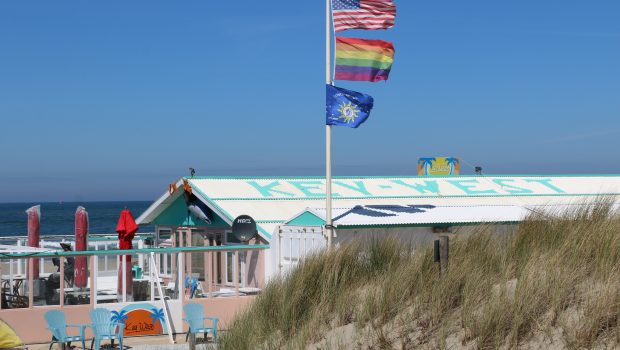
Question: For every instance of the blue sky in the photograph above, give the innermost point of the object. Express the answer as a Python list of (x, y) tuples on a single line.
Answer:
[(113, 100)]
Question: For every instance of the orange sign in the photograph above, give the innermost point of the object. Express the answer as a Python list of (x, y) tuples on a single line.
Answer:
[(141, 319), (142, 322)]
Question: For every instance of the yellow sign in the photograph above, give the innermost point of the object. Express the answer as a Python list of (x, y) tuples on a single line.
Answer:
[(439, 166)]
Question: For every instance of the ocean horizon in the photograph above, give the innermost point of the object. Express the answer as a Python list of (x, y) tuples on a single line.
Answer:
[(58, 218)]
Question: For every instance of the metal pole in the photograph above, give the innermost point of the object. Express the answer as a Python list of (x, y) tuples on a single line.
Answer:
[(328, 129), (30, 267), (19, 262), (92, 274), (236, 269), (205, 258), (140, 256), (124, 276), (152, 274), (61, 301), (181, 275)]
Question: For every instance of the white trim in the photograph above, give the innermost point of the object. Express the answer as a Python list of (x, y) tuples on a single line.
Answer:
[(156, 208)]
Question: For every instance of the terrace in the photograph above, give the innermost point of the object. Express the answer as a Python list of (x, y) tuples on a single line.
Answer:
[(164, 274)]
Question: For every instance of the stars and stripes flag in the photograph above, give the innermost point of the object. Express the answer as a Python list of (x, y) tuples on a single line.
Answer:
[(363, 14)]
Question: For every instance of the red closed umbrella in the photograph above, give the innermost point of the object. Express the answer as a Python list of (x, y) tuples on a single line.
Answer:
[(34, 225), (126, 228), (81, 244)]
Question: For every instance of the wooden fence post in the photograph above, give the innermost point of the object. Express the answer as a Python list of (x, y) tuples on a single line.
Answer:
[(443, 254)]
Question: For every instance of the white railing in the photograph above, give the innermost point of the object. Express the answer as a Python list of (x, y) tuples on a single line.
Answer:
[(97, 242), (294, 243), (207, 278)]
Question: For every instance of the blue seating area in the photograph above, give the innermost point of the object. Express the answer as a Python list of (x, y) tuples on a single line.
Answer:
[(104, 328), (57, 324), (195, 318), (102, 324)]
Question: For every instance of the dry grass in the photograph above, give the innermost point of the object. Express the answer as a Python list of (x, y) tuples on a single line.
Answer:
[(499, 291)]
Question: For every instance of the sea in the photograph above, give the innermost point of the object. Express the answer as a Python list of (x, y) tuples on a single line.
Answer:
[(59, 218)]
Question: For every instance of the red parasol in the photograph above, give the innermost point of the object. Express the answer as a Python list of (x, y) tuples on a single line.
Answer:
[(81, 243), (34, 225), (126, 228)]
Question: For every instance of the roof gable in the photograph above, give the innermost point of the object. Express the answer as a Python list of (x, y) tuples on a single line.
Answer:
[(176, 214), (307, 218)]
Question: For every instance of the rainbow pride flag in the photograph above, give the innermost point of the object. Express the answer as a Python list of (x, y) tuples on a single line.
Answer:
[(363, 59)]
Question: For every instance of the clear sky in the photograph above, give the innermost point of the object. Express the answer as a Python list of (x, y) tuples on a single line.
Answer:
[(113, 100)]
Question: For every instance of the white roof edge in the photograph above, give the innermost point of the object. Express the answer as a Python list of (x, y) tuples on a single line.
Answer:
[(147, 216)]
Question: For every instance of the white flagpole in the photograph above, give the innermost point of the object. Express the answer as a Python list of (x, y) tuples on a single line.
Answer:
[(328, 129)]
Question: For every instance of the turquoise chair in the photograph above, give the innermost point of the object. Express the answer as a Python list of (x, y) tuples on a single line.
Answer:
[(193, 282), (195, 317), (104, 328), (57, 324)]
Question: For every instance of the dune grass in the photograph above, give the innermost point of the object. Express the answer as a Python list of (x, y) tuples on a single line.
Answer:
[(560, 273)]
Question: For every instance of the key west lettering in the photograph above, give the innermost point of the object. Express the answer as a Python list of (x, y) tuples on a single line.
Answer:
[(407, 187)]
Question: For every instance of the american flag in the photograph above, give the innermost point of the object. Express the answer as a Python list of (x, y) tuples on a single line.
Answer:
[(363, 14)]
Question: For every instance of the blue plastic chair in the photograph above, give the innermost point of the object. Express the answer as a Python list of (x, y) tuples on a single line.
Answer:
[(104, 328), (195, 317), (57, 324), (193, 282)]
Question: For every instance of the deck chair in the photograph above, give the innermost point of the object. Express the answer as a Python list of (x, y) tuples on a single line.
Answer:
[(57, 324), (8, 337), (195, 317), (104, 328)]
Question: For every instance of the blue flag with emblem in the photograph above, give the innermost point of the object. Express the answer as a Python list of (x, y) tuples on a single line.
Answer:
[(346, 107)]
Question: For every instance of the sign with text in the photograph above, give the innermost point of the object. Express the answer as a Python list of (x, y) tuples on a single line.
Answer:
[(402, 187), (141, 319), (441, 166)]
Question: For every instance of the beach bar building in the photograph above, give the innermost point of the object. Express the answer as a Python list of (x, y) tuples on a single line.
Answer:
[(194, 256), (290, 211)]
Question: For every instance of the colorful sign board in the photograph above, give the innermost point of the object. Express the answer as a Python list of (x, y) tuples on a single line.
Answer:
[(141, 319), (445, 166)]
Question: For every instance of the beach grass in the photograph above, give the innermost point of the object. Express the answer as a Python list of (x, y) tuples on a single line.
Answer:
[(554, 281)]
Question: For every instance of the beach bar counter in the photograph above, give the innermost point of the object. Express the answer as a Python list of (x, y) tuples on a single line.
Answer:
[(193, 255)]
